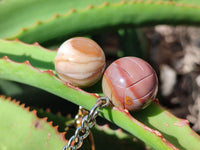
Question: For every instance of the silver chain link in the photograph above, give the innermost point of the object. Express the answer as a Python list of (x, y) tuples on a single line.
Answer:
[(88, 121)]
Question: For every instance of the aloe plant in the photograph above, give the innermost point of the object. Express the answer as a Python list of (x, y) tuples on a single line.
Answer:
[(48, 22), (19, 123)]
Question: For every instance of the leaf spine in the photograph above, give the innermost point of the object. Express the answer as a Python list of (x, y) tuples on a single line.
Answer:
[(90, 7)]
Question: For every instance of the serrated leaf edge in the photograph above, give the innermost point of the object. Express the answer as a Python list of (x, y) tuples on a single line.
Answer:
[(50, 123), (50, 72), (105, 4)]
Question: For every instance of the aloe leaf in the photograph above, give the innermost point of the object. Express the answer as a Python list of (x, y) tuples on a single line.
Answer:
[(107, 138), (174, 129), (10, 88), (42, 21), (22, 129), (38, 56), (57, 119), (104, 137), (46, 80), (27, 74)]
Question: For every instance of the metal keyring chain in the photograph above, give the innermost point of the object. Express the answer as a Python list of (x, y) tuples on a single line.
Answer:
[(88, 121)]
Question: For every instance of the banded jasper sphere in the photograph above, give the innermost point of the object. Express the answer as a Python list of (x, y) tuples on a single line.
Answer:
[(130, 83), (80, 61)]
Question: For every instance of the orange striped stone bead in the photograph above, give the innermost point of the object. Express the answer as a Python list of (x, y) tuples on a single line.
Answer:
[(130, 83), (80, 61)]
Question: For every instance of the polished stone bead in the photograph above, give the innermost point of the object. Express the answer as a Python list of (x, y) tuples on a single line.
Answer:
[(80, 61), (130, 83)]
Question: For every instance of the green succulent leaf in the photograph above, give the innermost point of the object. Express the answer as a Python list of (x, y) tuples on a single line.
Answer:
[(172, 128), (107, 138), (22, 129), (68, 18), (155, 124), (103, 136), (38, 56)]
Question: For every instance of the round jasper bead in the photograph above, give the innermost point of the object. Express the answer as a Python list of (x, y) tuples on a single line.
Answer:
[(130, 83), (80, 61)]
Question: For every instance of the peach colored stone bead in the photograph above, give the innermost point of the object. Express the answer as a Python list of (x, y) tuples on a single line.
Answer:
[(80, 61), (130, 83)]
